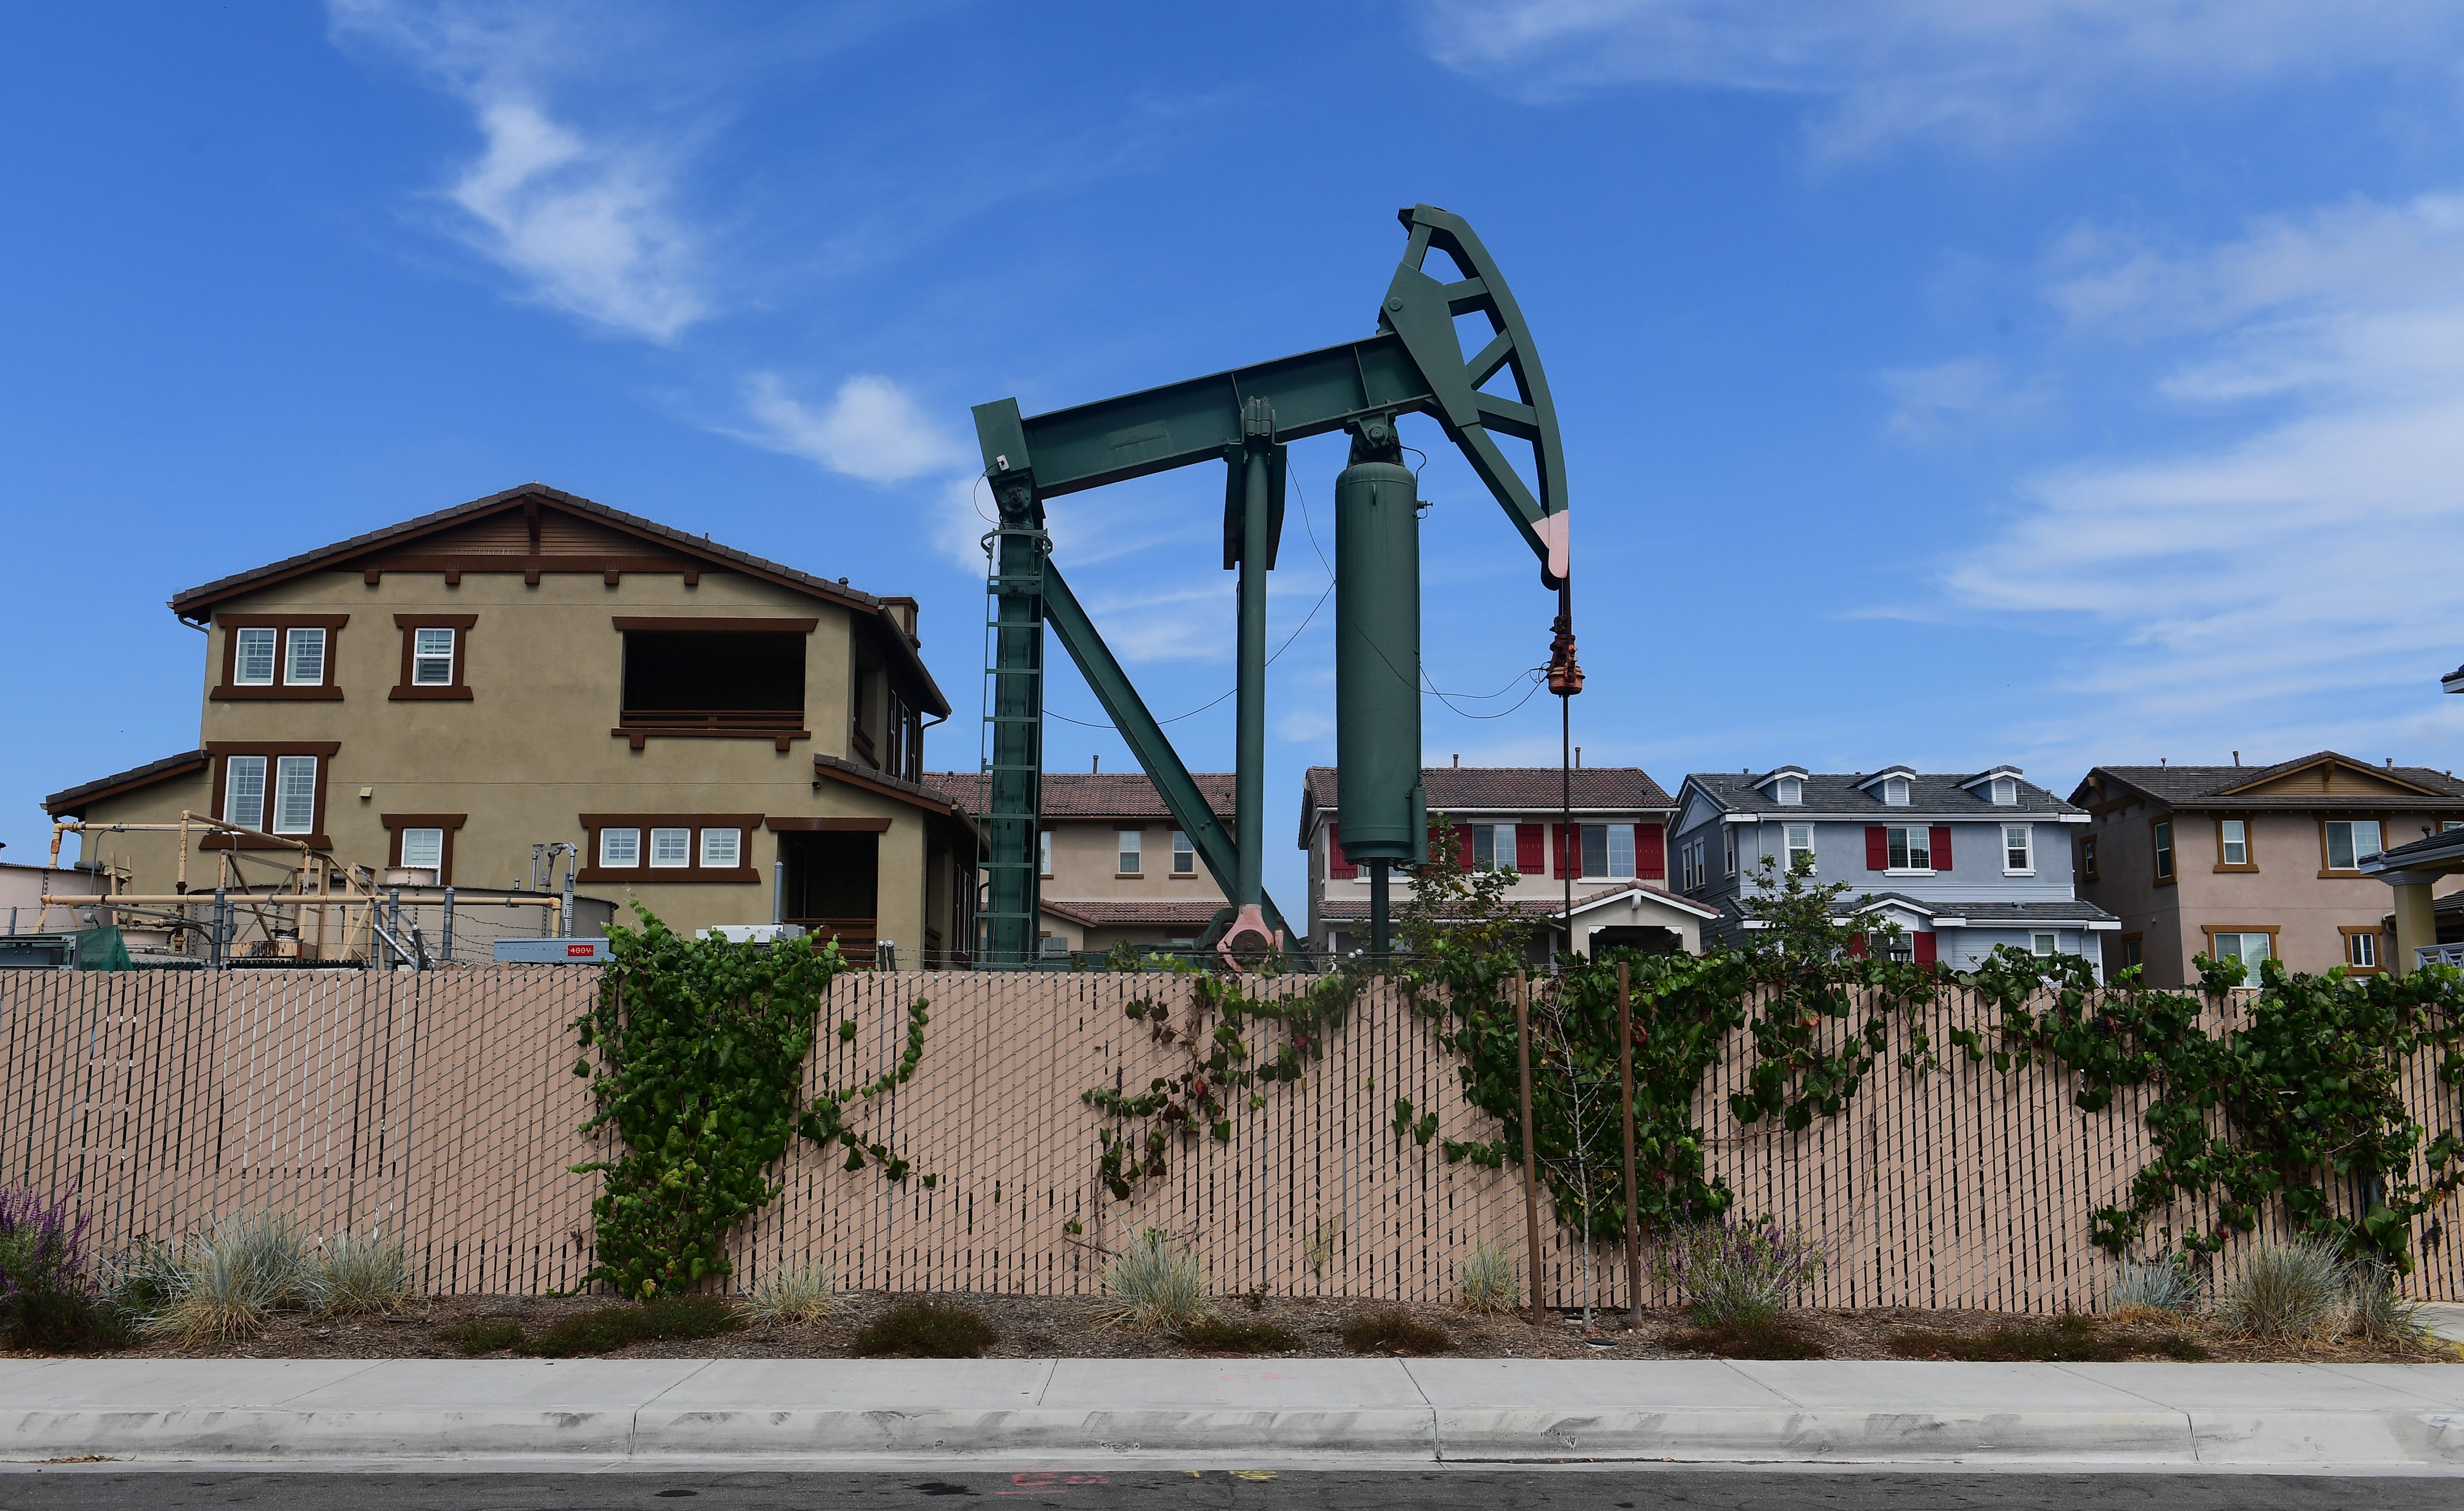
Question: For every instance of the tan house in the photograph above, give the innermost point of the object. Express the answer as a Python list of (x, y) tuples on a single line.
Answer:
[(716, 734), (2252, 862), (1511, 817), (1115, 867)]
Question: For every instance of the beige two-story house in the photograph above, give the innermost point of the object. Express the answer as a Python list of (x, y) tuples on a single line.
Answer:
[(2248, 863), (719, 736), (1115, 867)]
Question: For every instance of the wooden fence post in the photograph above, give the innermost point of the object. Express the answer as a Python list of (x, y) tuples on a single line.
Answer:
[(1530, 1180)]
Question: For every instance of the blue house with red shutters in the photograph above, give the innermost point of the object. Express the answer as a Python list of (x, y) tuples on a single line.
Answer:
[(1961, 863)]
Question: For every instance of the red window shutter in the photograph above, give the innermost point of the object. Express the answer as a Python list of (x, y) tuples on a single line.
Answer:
[(1338, 867), (1528, 842), (1942, 847), (1878, 847), (1565, 865), (1856, 944), (1925, 947), (1650, 853), (1463, 848)]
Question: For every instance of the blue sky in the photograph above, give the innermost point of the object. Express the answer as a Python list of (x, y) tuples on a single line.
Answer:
[(2054, 381)]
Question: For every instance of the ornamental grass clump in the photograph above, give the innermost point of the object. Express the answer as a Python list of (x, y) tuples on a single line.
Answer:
[(2381, 1316), (230, 1283), (2164, 1292), (1738, 1272), (803, 1293), (361, 1273), (2287, 1291), (48, 1301), (1157, 1284), (1485, 1281)]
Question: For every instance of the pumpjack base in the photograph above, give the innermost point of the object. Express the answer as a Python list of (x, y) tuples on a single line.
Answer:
[(1250, 920)]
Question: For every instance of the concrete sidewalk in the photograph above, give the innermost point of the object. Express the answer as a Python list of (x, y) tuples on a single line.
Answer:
[(2155, 1415)]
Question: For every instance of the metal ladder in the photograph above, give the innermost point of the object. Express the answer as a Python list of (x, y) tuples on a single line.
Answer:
[(1011, 749)]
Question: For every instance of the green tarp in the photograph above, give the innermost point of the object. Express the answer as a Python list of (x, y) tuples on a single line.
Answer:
[(102, 950)]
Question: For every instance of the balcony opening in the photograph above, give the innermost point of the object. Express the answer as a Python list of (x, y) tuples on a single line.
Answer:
[(832, 887), (713, 680)]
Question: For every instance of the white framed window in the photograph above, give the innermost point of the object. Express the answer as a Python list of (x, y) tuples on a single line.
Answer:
[(1911, 849), (619, 849), (303, 663), (722, 849), (244, 789), (2161, 836), (1728, 848), (1493, 847), (253, 660), (294, 795), (2042, 944), (2350, 842), (1800, 844), (1130, 861), (432, 658), (2361, 949), (1894, 792), (2018, 850), (1043, 851), (670, 849), (1790, 790), (1621, 844), (1184, 855), (2250, 949), (2006, 792), (2233, 842), (424, 849)]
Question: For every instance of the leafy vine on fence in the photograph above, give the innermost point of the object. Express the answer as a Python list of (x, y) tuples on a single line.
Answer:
[(1223, 1068), (700, 1062), (2301, 1091)]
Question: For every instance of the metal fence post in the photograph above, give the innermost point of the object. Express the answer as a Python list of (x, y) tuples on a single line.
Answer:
[(565, 914), (218, 951), (394, 923), (446, 943)]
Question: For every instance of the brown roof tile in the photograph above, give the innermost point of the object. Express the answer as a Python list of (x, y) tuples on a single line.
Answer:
[(1091, 795)]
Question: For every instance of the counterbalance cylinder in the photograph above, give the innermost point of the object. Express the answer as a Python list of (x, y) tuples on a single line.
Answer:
[(1378, 663)]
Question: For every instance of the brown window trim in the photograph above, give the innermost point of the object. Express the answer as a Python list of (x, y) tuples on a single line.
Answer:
[(773, 626), (2087, 859), (816, 825), (2122, 953), (325, 691), (2176, 835), (2345, 954), (646, 874), (2248, 843), (2274, 952), (459, 689), (721, 724), (2326, 818), (219, 771), (396, 822), (638, 734)]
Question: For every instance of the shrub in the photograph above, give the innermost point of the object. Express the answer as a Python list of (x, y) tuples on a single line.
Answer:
[(2151, 1292), (804, 1294), (1485, 1281), (609, 1328), (489, 1337), (2290, 1291), (2068, 1339), (217, 1295), (47, 1299), (1215, 1335), (141, 1279), (1156, 1284), (1738, 1270), (2382, 1317), (1764, 1337), (1394, 1330), (361, 1273), (924, 1331)]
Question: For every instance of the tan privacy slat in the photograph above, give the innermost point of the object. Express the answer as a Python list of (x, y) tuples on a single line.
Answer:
[(442, 1106)]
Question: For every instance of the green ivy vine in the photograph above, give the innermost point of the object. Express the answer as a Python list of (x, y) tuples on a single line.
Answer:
[(1223, 1068), (700, 1050), (2301, 1091)]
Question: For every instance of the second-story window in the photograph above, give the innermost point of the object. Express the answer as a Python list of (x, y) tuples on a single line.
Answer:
[(252, 660), (1608, 849), (2350, 842), (2162, 834), (1800, 845), (303, 662), (2233, 842), (244, 791), (1130, 861), (1043, 851), (1184, 855), (432, 658), (2087, 857), (1493, 847), (279, 656), (1911, 849), (1728, 848), (2018, 852)]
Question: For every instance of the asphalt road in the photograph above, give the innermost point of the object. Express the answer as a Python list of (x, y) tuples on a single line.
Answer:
[(1215, 1490)]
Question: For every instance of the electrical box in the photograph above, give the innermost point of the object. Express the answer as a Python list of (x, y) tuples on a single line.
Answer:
[(553, 952)]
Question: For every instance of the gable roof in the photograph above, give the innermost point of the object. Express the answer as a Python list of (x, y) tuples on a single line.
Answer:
[(197, 603), (1856, 795), (2236, 786), (1506, 789), (72, 802), (1091, 795)]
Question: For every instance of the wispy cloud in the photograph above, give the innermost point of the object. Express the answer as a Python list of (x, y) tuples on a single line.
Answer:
[(1963, 397), (585, 220), (1974, 75), (2299, 567), (869, 429)]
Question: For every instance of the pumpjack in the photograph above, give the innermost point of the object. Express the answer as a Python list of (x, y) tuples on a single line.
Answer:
[(1415, 363)]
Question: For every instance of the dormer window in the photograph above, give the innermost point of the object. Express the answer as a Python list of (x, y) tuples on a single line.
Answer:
[(1895, 791), (1790, 790), (2006, 792)]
